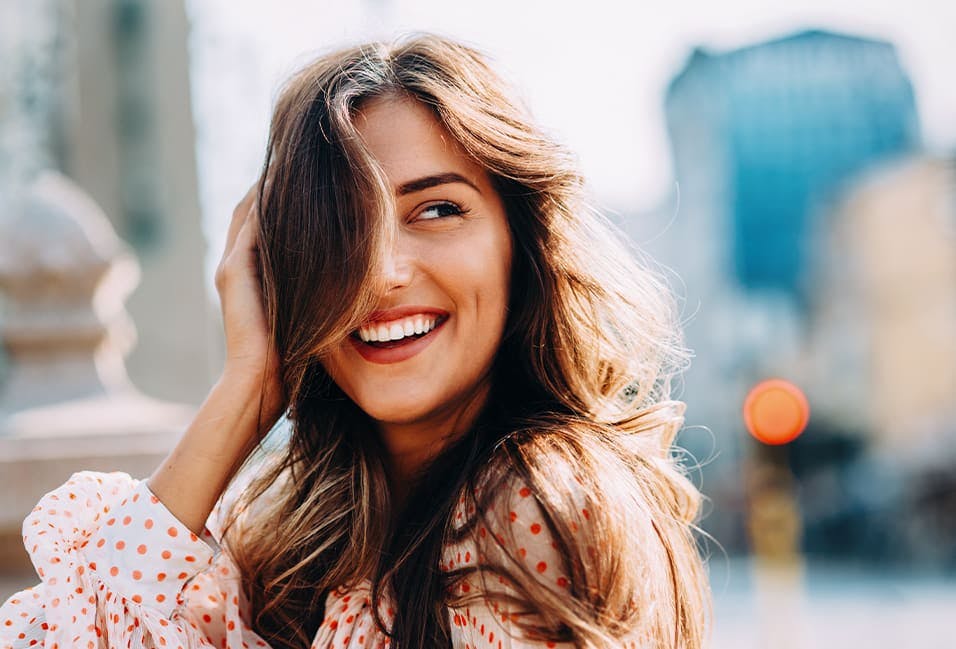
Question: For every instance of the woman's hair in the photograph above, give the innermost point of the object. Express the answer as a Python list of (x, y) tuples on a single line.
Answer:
[(581, 414)]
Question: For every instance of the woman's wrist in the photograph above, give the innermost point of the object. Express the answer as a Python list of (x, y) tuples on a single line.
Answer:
[(225, 429), (258, 389)]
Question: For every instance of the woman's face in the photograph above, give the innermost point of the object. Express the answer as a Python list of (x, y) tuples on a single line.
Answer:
[(421, 364)]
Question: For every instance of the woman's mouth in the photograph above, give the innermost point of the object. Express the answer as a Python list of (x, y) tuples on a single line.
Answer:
[(385, 335), (391, 340)]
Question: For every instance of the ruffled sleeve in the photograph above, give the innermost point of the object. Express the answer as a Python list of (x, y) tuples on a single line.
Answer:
[(119, 570)]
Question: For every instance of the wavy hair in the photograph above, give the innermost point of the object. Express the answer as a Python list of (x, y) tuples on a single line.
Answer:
[(580, 386)]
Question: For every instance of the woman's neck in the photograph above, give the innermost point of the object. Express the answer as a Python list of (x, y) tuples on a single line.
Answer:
[(411, 446)]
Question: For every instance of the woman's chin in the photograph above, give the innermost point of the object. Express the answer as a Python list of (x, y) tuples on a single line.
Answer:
[(401, 412)]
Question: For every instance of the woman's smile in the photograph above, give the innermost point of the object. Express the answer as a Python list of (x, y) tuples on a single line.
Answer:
[(397, 334)]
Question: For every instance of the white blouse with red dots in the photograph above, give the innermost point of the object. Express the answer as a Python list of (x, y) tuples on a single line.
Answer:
[(117, 569)]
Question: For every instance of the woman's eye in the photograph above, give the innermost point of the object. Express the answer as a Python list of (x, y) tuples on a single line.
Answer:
[(439, 210)]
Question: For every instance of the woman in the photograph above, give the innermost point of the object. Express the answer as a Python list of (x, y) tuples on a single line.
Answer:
[(477, 376)]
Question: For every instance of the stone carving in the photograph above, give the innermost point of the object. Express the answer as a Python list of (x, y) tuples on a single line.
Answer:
[(65, 275), (66, 403)]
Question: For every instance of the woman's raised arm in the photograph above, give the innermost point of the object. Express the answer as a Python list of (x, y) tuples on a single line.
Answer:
[(247, 399)]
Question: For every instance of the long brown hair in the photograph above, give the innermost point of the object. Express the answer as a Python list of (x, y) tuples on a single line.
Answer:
[(581, 384)]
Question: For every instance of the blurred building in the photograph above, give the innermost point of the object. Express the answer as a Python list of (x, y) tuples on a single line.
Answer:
[(884, 312), (765, 140), (782, 127), (129, 141), (882, 364), (99, 91)]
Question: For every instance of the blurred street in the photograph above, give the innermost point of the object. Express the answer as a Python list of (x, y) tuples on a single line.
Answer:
[(842, 608)]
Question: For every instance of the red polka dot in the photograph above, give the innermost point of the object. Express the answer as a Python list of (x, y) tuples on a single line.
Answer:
[(172, 531), (160, 576), (120, 545), (127, 520), (141, 549), (137, 575), (535, 528), (524, 492), (166, 554), (114, 571), (148, 523), (542, 566)]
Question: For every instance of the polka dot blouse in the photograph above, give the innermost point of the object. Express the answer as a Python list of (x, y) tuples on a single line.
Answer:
[(117, 569)]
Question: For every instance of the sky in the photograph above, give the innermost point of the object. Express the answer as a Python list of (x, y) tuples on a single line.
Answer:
[(593, 72)]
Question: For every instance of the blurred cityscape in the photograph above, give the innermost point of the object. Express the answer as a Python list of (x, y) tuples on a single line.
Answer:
[(811, 234)]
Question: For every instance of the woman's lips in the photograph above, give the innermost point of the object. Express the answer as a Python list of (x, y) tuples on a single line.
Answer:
[(402, 312), (395, 351)]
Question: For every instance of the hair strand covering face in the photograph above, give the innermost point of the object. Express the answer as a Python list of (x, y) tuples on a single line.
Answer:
[(581, 391)]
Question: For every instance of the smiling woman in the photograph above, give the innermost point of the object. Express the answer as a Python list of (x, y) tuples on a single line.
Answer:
[(477, 374)]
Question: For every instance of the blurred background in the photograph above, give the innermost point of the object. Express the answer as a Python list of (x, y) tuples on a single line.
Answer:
[(790, 167)]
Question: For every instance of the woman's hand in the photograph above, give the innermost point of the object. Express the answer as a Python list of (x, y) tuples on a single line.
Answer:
[(250, 356)]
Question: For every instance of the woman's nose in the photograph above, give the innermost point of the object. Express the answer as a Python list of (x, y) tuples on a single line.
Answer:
[(397, 267)]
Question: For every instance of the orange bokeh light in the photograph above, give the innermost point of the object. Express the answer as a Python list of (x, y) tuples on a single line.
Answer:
[(776, 412)]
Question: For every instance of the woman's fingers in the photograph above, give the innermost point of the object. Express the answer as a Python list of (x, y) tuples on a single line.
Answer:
[(240, 216), (245, 240), (239, 223)]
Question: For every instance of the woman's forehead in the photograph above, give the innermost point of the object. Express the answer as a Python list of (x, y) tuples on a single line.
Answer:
[(409, 143)]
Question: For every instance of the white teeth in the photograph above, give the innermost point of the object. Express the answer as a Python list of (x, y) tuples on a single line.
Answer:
[(398, 329)]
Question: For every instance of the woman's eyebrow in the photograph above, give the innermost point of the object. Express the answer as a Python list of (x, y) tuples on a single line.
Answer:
[(425, 182)]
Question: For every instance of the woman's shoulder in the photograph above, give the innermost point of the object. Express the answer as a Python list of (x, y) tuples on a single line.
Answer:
[(577, 531), (512, 516), (514, 550)]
